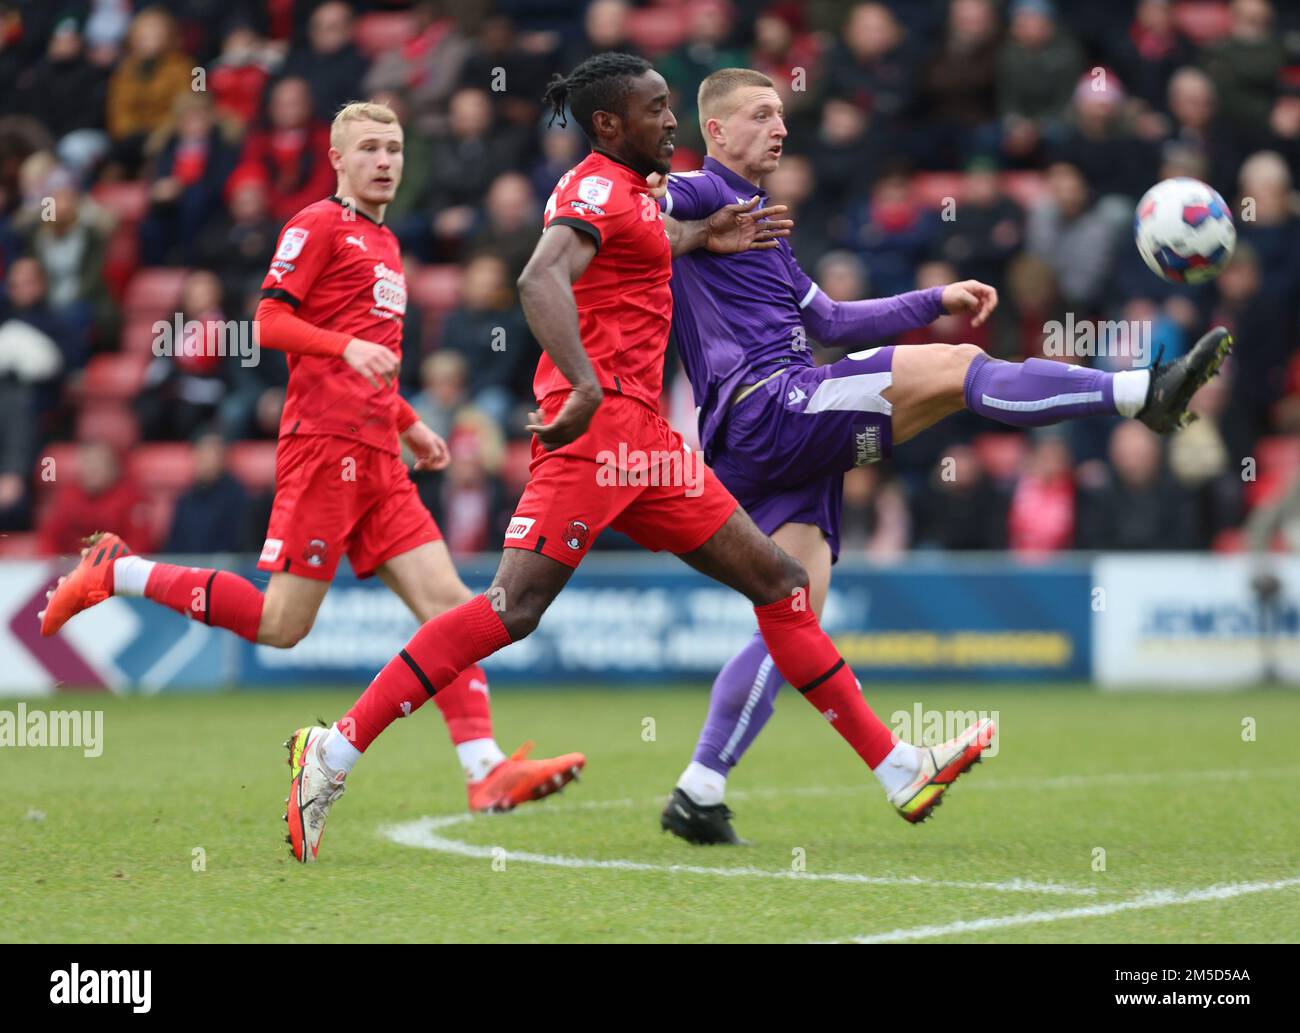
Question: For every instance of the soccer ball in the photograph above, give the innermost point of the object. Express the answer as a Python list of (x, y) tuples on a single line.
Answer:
[(1184, 231)]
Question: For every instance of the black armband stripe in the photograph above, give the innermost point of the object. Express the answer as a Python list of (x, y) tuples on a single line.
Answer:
[(577, 224), (280, 294)]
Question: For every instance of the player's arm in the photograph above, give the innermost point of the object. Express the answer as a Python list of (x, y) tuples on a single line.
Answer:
[(280, 328), (546, 294), (702, 220), (429, 449)]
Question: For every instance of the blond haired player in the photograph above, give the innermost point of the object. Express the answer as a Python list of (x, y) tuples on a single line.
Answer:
[(334, 299)]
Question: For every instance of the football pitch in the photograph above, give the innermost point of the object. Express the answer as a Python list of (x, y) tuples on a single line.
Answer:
[(1140, 817)]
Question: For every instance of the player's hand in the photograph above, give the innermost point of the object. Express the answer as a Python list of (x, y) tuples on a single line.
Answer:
[(373, 361), (570, 422), (658, 185), (430, 451), (746, 227), (978, 300)]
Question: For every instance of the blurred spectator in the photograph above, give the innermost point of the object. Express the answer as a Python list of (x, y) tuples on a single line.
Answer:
[(961, 86), (1099, 142), (523, 72), (192, 162), (329, 61), (511, 218), (704, 50), (1141, 506), (100, 496), (789, 55), (144, 85), (472, 509), (444, 391), (870, 66), (1200, 460), (1245, 65), (990, 228), (1037, 69), (290, 156), (1272, 228), (68, 233), (876, 519), (488, 328), (404, 214), (238, 246), (1073, 235), (252, 405), (67, 94), (1041, 518), (210, 515), (846, 152), (238, 76), (960, 508), (604, 28), (1033, 299), (1199, 128), (561, 150), (794, 184), (947, 329), (182, 390), (1151, 51), (428, 66), (892, 233)]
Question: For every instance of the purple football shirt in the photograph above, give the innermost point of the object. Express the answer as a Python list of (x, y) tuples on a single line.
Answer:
[(739, 317)]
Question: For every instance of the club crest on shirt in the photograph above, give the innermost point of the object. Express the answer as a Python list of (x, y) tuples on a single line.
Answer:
[(575, 534), (291, 244), (595, 189), (314, 554)]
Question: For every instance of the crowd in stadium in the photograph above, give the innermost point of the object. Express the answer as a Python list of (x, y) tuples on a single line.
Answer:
[(149, 156)]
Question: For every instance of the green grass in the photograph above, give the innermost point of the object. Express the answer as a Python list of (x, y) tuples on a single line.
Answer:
[(101, 850)]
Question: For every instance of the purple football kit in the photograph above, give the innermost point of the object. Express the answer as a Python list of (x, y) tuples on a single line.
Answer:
[(780, 432)]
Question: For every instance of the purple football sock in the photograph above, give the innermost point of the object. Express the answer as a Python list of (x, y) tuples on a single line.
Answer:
[(741, 702), (1037, 392)]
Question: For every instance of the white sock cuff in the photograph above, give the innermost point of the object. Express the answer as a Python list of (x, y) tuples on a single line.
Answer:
[(131, 574), (478, 757), (337, 753), (1130, 390), (702, 784)]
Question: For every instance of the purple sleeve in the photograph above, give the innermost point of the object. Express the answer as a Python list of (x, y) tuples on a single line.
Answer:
[(692, 195), (851, 322)]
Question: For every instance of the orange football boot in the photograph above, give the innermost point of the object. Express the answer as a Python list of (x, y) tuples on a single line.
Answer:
[(89, 582), (518, 780)]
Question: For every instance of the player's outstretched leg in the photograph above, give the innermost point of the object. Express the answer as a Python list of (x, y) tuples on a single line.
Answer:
[(741, 556), (435, 657), (108, 568)]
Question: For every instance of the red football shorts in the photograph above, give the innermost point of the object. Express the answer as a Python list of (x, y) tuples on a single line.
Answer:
[(631, 471), (335, 496)]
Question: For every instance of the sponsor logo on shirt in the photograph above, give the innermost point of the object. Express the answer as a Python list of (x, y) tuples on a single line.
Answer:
[(519, 527), (291, 243), (867, 441), (271, 550), (595, 189), (356, 242), (389, 289), (582, 206)]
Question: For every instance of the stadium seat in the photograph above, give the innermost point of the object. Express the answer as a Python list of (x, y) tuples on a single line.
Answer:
[(121, 259), (55, 465), (127, 201), (1203, 21), (167, 467), (111, 422), (154, 292), (383, 30), (1026, 188), (253, 462), (655, 30), (113, 377), (20, 546), (138, 334), (930, 188)]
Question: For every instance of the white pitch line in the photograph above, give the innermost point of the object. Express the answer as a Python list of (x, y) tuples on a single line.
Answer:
[(423, 833), (1150, 899)]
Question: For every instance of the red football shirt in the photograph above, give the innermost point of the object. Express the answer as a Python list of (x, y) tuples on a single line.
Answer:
[(340, 270), (625, 306)]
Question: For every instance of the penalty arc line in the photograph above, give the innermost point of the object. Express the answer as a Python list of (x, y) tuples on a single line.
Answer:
[(1151, 899), (424, 833)]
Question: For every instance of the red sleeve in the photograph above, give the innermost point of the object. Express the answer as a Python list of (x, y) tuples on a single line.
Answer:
[(304, 250), (595, 205), (406, 416), (280, 329)]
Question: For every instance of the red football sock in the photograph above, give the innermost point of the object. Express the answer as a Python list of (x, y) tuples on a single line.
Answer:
[(465, 707), (432, 660), (808, 660), (215, 597)]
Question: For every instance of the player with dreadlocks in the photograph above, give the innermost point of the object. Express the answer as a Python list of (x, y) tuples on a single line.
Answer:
[(596, 296)]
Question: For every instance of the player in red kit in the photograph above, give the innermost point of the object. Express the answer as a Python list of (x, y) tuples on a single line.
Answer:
[(596, 296), (334, 298)]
